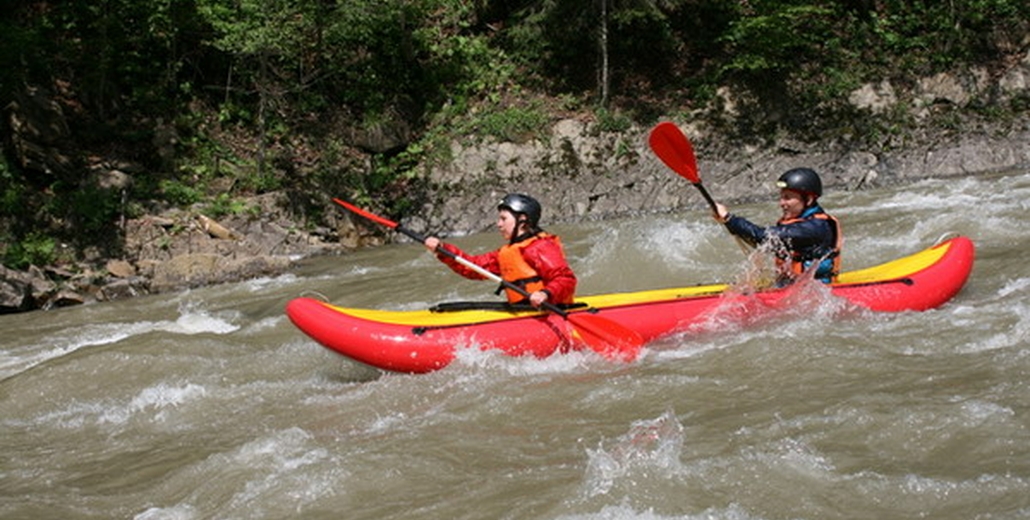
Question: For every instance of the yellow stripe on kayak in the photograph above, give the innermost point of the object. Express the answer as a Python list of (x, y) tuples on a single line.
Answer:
[(656, 295), (426, 318), (895, 269)]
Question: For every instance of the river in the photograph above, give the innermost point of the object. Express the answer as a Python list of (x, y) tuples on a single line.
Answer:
[(210, 404)]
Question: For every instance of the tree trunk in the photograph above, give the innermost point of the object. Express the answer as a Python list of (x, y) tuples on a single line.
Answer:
[(603, 44)]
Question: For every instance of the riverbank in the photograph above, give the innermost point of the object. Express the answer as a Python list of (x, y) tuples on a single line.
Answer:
[(578, 171), (180, 249)]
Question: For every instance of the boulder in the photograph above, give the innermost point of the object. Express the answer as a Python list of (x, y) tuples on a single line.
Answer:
[(216, 230), (189, 270), (15, 291), (874, 97), (123, 288), (195, 270), (67, 298), (120, 269)]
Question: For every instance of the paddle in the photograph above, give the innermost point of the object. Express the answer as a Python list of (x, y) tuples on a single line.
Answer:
[(674, 149), (610, 339)]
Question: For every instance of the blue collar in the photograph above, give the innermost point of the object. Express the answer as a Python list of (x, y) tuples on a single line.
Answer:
[(812, 210)]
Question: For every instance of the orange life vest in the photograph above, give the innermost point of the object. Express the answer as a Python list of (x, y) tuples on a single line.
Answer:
[(516, 270), (797, 263)]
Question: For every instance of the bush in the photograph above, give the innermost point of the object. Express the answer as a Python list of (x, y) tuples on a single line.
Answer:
[(179, 193), (35, 249)]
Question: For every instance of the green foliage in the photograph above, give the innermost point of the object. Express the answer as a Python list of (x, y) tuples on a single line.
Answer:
[(241, 78), (932, 36), (467, 64), (12, 191), (35, 249), (16, 46), (258, 27), (781, 37), (225, 205), (394, 181), (180, 193), (94, 210), (513, 124), (613, 120), (263, 182), (555, 42)]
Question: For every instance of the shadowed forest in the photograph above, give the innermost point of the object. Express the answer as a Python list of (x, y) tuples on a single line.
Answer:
[(207, 101)]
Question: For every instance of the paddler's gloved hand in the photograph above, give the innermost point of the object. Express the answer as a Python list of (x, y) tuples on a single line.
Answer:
[(538, 298), (722, 214)]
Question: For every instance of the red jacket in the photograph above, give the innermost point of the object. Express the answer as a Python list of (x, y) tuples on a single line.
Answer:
[(544, 255)]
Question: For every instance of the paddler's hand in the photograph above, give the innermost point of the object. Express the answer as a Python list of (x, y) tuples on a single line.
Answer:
[(432, 243), (538, 298), (722, 214)]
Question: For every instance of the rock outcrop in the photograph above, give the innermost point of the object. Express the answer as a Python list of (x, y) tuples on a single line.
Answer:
[(581, 172)]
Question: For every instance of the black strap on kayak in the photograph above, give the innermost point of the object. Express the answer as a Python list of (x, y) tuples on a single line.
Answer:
[(906, 281), (494, 306), (483, 306)]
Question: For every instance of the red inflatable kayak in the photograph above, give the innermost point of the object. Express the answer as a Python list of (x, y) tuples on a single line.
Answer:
[(424, 340)]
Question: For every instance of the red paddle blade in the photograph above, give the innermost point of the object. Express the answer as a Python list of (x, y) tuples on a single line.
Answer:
[(604, 336), (371, 216), (674, 149)]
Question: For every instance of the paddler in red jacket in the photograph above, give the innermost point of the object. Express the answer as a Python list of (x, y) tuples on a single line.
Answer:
[(807, 237), (533, 259)]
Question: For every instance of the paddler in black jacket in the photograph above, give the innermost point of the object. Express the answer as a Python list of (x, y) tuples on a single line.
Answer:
[(805, 237)]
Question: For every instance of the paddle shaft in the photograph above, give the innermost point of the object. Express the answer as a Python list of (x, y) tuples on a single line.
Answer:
[(421, 239), (708, 198), (610, 339)]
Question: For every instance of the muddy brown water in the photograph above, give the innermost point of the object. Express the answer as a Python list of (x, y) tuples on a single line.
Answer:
[(210, 404)]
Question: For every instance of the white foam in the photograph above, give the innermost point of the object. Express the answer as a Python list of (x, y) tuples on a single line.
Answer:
[(269, 282), (359, 271), (152, 404), (650, 446), (625, 511), (276, 463), (191, 321), (471, 357), (264, 324), (155, 400), (1011, 287), (177, 512)]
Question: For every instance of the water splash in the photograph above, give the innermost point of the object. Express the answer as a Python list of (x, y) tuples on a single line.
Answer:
[(470, 357), (650, 446)]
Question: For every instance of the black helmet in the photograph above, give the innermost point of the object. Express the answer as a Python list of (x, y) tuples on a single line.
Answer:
[(801, 179), (524, 204)]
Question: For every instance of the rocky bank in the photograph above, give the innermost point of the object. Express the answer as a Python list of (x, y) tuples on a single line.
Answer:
[(578, 172)]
